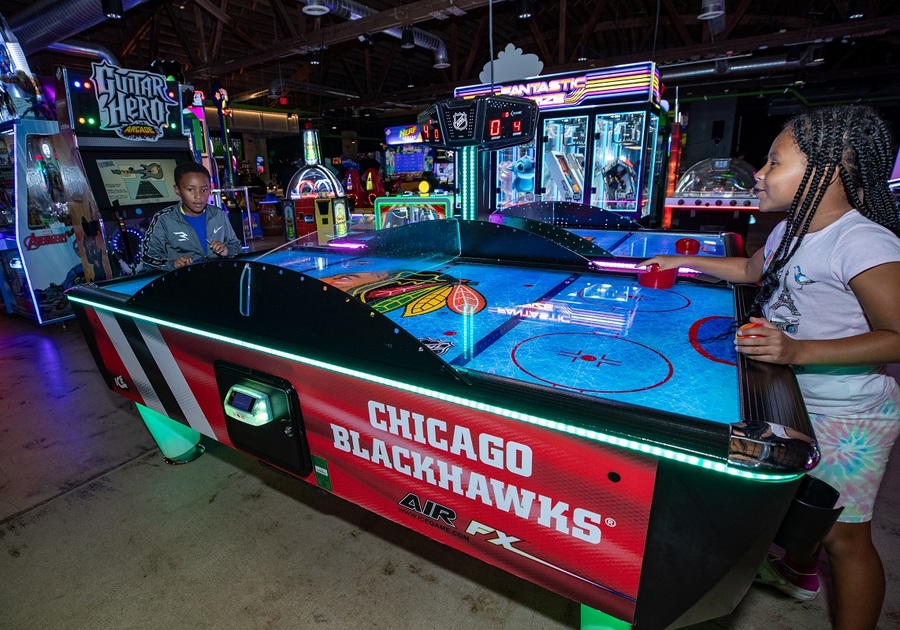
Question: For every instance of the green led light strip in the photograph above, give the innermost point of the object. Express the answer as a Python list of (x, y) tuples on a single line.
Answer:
[(468, 159), (589, 434)]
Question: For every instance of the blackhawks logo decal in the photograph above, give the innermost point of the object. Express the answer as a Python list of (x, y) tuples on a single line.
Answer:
[(417, 293)]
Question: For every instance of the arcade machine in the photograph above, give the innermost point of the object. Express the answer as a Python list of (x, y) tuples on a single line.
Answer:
[(48, 225), (125, 133), (315, 198), (393, 211), (363, 188), (597, 144), (197, 130), (406, 158), (713, 195)]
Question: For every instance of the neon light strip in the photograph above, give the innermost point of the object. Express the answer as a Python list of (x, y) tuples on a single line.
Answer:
[(468, 159), (346, 245), (640, 81), (622, 266), (590, 434)]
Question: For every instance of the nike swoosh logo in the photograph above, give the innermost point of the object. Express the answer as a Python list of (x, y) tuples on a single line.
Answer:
[(216, 231)]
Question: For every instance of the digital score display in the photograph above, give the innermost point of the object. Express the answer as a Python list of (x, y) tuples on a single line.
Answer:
[(450, 123), (490, 121), (508, 121)]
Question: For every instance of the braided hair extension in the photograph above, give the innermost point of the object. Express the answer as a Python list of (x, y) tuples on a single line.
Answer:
[(852, 140)]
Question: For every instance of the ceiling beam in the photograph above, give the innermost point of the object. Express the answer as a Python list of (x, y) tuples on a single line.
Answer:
[(179, 33), (201, 33), (561, 36), (678, 23), (413, 13), (230, 22), (281, 15), (218, 30), (851, 30), (588, 30)]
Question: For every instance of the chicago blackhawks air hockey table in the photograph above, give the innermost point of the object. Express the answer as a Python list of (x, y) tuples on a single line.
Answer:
[(522, 399)]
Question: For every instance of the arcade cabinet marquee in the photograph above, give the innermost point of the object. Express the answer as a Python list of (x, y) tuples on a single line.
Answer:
[(126, 133)]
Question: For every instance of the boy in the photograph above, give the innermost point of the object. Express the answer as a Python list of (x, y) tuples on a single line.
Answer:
[(191, 230)]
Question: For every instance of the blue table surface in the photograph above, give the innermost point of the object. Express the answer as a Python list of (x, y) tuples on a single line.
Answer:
[(600, 335), (640, 244)]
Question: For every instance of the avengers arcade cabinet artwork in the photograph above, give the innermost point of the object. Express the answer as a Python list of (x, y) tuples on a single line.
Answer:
[(124, 133), (46, 238), (713, 195), (597, 143)]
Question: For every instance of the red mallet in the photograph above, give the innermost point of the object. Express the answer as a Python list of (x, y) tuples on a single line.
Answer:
[(688, 246), (748, 327), (654, 278)]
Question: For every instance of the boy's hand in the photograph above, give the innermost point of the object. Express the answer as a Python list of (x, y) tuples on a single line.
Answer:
[(218, 247), (182, 261)]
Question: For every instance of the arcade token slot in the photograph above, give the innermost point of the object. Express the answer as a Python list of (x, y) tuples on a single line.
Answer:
[(263, 417)]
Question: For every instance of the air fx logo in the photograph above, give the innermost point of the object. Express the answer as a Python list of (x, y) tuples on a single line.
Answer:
[(503, 540), (430, 509)]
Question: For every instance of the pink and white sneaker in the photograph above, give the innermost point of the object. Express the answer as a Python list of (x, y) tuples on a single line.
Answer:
[(774, 572)]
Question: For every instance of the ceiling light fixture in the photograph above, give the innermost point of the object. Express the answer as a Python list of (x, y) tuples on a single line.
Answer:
[(407, 41), (316, 7), (711, 9), (856, 10), (524, 9), (112, 9)]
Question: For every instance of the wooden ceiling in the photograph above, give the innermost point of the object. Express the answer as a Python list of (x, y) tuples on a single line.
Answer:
[(264, 50)]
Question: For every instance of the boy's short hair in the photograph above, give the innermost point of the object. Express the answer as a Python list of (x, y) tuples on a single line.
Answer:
[(184, 168)]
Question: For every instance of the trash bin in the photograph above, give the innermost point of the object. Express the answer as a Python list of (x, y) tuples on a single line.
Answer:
[(810, 516)]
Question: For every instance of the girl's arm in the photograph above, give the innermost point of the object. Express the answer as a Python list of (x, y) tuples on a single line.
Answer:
[(878, 291), (734, 269)]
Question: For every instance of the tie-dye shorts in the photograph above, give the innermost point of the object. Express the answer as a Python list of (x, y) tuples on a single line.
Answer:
[(855, 451)]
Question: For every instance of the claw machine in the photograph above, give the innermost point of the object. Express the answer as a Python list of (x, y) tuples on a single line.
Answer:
[(598, 143)]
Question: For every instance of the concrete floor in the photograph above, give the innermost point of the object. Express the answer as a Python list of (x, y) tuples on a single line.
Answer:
[(96, 531)]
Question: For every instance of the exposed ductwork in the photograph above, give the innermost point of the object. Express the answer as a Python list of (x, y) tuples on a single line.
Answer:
[(276, 87), (88, 50), (51, 21), (351, 10), (812, 56)]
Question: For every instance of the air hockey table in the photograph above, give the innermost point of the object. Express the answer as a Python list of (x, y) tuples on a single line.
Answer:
[(491, 389)]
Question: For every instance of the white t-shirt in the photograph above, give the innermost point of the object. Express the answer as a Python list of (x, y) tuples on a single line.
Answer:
[(814, 301)]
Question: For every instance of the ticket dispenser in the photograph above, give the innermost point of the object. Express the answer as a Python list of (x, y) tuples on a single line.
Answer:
[(332, 215), (262, 416)]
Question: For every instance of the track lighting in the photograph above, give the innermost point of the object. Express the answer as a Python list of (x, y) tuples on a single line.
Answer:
[(524, 9), (711, 9), (406, 39), (316, 7), (112, 9)]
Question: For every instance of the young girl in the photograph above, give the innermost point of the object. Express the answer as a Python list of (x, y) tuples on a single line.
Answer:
[(829, 307)]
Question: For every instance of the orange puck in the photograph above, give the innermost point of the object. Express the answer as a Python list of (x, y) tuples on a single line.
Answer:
[(748, 327)]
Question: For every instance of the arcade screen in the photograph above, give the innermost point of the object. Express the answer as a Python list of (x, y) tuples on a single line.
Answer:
[(139, 182), (408, 160), (132, 182)]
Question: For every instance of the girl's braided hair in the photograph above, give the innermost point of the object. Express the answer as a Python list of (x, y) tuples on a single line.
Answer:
[(853, 139)]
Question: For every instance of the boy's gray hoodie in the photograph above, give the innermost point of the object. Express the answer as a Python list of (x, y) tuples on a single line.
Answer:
[(169, 236)]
